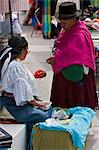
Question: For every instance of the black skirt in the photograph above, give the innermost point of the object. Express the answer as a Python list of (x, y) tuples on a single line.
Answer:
[(68, 94)]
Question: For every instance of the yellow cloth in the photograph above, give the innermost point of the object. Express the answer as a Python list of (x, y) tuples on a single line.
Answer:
[(52, 140)]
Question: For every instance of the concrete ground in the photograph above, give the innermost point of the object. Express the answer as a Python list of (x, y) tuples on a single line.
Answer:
[(39, 51)]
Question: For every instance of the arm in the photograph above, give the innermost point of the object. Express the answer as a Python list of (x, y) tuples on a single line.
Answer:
[(39, 104), (23, 95), (50, 60), (23, 91), (23, 88)]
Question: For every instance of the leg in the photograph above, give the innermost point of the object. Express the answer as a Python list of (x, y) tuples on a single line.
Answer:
[(29, 114)]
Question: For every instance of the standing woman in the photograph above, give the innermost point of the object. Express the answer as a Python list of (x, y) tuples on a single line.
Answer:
[(74, 62)]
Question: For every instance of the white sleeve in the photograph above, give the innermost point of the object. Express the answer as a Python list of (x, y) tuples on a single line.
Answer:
[(23, 88), (22, 92)]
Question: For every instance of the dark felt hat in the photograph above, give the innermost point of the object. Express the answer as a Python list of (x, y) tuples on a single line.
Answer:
[(68, 10)]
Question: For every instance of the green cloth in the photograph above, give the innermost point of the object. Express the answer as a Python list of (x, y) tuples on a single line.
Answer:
[(73, 73), (95, 3)]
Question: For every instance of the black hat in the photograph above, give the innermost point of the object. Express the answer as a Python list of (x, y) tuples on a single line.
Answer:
[(68, 10)]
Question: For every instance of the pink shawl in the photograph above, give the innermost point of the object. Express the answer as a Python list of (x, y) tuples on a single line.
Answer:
[(74, 47)]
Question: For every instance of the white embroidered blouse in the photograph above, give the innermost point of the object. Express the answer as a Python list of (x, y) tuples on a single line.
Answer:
[(19, 80)]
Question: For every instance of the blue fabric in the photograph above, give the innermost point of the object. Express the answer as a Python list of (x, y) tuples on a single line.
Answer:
[(34, 21), (31, 145), (4, 149), (78, 127)]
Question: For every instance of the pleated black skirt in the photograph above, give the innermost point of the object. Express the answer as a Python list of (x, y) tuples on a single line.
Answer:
[(68, 94)]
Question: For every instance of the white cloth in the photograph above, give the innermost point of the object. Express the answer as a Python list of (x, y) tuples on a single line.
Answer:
[(16, 25), (62, 1), (19, 81), (16, 5), (5, 65), (54, 21), (5, 52)]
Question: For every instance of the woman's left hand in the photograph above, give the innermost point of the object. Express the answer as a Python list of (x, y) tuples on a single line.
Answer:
[(50, 60), (39, 104)]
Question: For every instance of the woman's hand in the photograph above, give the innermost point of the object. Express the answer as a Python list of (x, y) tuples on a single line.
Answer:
[(50, 60), (39, 104), (53, 50)]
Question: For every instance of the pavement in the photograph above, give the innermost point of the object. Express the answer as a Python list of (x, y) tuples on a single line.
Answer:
[(39, 51)]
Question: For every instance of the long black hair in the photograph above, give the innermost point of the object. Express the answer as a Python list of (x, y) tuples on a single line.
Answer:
[(17, 44)]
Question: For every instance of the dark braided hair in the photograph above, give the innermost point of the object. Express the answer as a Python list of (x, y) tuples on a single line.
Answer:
[(17, 44)]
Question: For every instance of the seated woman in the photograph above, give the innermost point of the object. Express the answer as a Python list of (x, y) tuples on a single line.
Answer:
[(19, 94)]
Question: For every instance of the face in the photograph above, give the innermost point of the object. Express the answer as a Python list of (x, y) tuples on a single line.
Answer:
[(24, 53), (66, 24)]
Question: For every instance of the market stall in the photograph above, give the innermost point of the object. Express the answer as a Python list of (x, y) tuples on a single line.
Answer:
[(9, 6)]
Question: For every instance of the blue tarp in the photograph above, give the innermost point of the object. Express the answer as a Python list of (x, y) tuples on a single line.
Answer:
[(78, 127)]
